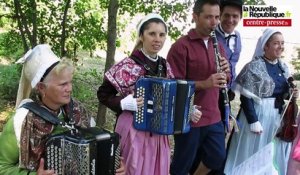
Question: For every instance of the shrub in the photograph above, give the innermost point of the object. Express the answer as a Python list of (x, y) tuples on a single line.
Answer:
[(11, 45), (85, 85), (296, 76), (9, 81)]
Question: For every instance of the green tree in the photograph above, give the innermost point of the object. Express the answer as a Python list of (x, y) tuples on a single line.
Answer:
[(296, 63), (66, 25), (82, 24), (254, 2)]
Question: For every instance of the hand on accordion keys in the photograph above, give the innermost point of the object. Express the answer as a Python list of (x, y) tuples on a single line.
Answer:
[(121, 170), (196, 114), (42, 171), (131, 104)]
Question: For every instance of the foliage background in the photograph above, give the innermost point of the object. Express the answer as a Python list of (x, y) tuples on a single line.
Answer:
[(78, 29)]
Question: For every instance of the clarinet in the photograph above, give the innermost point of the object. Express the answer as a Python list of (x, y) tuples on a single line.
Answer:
[(224, 90)]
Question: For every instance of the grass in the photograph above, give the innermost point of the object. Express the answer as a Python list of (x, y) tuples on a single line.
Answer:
[(6, 107), (6, 110)]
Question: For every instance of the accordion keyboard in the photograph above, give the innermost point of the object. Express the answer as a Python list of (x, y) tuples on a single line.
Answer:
[(118, 157), (55, 153), (139, 115)]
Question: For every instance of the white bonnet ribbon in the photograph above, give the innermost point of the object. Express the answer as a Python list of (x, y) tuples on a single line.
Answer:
[(23, 59)]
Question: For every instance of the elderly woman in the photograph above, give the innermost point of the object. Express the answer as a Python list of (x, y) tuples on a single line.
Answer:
[(263, 86), (24, 136)]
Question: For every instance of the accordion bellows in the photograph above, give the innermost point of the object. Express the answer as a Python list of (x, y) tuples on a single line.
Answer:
[(91, 151), (167, 105)]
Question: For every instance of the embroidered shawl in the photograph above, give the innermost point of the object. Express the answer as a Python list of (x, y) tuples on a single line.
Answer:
[(124, 75), (35, 130), (254, 81)]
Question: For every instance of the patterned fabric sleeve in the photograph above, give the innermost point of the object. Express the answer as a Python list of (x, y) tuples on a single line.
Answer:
[(80, 114), (123, 75)]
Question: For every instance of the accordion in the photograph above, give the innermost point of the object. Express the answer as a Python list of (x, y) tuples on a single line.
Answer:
[(91, 151), (167, 105)]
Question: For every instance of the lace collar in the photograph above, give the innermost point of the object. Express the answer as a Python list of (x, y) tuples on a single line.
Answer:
[(271, 61), (149, 57)]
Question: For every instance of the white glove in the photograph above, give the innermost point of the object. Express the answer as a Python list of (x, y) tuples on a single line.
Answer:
[(129, 103), (92, 122), (196, 114), (256, 127)]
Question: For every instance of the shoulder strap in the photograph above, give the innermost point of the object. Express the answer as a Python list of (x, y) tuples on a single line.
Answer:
[(70, 114), (68, 111), (162, 67), (42, 112), (148, 69)]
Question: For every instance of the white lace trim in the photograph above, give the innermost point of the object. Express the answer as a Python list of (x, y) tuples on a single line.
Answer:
[(149, 57), (271, 61)]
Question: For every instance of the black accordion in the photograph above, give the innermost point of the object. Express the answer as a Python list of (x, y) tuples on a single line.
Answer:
[(91, 151), (167, 105)]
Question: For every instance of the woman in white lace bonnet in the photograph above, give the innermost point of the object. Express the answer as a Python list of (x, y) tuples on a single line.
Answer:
[(263, 86), (24, 136)]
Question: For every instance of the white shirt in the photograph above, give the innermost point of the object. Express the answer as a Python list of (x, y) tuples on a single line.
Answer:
[(231, 38)]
